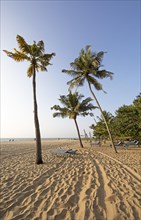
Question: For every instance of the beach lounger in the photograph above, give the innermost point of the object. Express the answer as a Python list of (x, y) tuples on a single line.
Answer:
[(120, 143), (71, 151), (94, 143), (132, 144), (63, 152)]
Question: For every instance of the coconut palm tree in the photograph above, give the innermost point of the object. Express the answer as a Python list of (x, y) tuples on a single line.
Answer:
[(38, 60), (87, 68), (72, 107)]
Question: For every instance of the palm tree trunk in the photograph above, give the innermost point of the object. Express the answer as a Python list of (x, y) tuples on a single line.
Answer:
[(110, 136), (78, 133), (36, 121)]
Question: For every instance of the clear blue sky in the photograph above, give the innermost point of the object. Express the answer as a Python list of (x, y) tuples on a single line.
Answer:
[(66, 27)]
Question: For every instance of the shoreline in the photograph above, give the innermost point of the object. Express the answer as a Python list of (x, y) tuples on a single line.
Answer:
[(13, 140)]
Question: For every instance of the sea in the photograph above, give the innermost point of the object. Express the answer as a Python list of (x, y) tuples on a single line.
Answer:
[(29, 139)]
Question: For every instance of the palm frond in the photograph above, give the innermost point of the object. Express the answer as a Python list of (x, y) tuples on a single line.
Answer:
[(74, 99), (104, 74), (59, 114), (73, 106), (24, 47), (40, 67), (88, 49), (33, 53), (79, 96), (86, 114), (94, 82), (44, 59), (86, 101), (64, 101), (76, 82), (72, 73), (30, 70), (7, 52), (41, 46), (47, 57), (43, 68), (95, 64), (99, 56), (87, 67), (77, 107), (77, 64), (86, 106), (17, 56), (56, 107), (22, 55)]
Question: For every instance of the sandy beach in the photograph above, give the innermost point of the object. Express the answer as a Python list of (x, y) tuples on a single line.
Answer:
[(93, 184)]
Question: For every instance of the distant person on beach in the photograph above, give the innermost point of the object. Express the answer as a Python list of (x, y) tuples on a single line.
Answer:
[(11, 139)]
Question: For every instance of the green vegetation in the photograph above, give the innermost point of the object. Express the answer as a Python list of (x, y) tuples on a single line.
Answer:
[(73, 107), (38, 60), (125, 125), (87, 67)]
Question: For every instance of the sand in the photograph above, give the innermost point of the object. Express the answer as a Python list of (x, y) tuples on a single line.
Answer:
[(93, 184)]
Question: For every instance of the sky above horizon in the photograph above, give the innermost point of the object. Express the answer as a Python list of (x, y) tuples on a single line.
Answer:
[(66, 27)]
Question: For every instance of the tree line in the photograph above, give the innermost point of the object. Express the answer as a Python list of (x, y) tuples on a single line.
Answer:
[(125, 125)]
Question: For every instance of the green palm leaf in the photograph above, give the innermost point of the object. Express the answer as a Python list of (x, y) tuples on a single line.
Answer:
[(16, 56), (78, 81), (87, 67), (95, 83), (24, 47), (30, 70), (73, 106), (104, 74), (40, 44)]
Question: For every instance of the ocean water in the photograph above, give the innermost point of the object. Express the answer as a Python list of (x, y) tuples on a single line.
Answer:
[(30, 139), (25, 139)]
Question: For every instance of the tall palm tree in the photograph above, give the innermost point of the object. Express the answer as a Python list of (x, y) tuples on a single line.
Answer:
[(38, 61), (87, 68), (72, 107)]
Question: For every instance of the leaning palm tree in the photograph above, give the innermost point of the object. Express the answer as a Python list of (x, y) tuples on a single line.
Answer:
[(87, 68), (38, 61), (72, 107)]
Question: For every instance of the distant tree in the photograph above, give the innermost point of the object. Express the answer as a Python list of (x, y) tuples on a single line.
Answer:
[(127, 119), (38, 60), (126, 124), (99, 130), (73, 107), (87, 68), (137, 104)]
